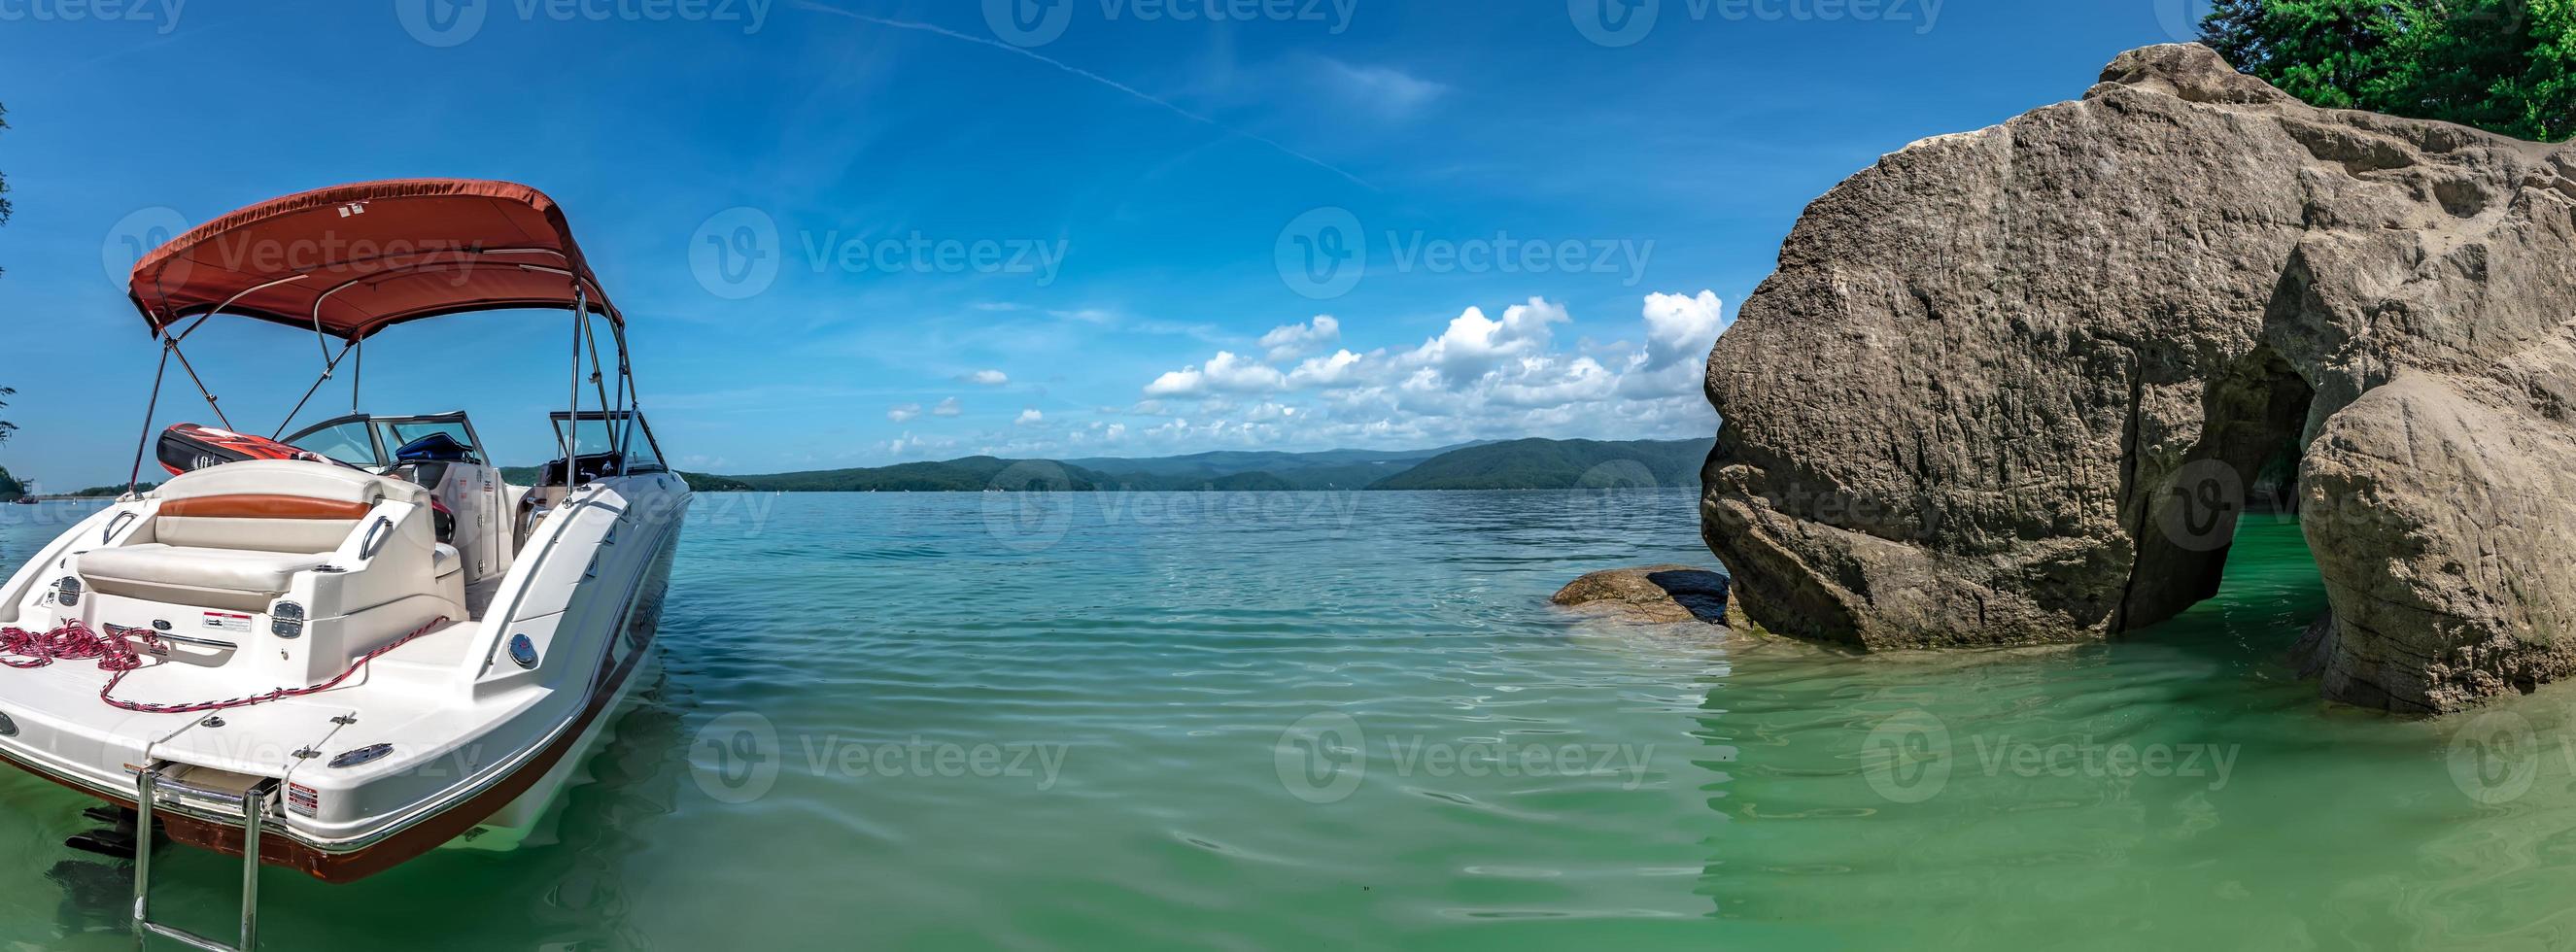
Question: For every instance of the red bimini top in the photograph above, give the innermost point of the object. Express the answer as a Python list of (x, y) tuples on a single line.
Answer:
[(352, 260)]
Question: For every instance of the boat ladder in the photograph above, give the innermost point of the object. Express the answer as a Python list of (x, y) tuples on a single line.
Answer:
[(249, 794)]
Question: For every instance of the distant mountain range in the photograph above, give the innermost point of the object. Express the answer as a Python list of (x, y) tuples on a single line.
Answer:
[(1559, 464), (1240, 469), (1515, 464)]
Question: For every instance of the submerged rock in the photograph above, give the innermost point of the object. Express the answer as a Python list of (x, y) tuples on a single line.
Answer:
[(1656, 594), (2012, 386)]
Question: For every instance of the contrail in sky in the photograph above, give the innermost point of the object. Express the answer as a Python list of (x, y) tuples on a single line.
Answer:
[(1086, 74)]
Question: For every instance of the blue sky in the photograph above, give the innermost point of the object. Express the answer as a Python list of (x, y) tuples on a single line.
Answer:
[(853, 233)]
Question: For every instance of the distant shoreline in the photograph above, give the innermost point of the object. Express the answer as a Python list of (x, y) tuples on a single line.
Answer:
[(1120, 491), (1533, 464)]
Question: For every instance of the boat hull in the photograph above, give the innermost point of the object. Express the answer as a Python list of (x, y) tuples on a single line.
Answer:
[(624, 653)]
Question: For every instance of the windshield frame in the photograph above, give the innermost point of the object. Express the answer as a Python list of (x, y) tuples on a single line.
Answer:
[(378, 427), (621, 426)]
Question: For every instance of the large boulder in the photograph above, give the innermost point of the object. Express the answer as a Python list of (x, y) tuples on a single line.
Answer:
[(2015, 385)]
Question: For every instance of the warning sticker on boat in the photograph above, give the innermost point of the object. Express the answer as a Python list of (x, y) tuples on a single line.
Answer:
[(227, 621), (302, 800)]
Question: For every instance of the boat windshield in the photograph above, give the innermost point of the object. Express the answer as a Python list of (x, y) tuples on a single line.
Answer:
[(596, 434), (377, 443), (348, 441)]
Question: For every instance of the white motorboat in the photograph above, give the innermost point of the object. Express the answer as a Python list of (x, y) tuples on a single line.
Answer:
[(339, 650)]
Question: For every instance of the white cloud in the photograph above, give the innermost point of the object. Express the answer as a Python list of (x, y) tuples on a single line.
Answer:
[(1682, 328), (1297, 340), (1482, 377), (1224, 373), (988, 378), (1485, 375), (1679, 332), (1475, 345), (1543, 382), (910, 445), (1337, 370), (904, 413), (948, 408), (1388, 92)]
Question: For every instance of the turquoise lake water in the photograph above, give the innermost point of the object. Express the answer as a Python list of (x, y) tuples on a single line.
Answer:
[(1351, 720)]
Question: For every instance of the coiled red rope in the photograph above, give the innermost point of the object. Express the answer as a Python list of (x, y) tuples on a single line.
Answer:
[(74, 641)]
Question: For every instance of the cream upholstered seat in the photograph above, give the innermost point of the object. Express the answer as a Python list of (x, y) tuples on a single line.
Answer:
[(235, 536), (192, 575)]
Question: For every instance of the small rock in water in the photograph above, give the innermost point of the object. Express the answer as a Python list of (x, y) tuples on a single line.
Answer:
[(1656, 594)]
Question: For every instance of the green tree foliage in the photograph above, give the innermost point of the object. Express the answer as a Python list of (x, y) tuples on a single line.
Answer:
[(111, 492), (2506, 66)]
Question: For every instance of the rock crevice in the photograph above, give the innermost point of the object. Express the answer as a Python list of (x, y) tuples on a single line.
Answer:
[(2016, 385)]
